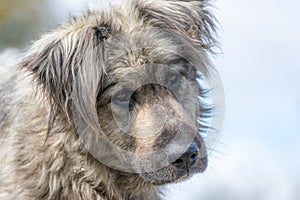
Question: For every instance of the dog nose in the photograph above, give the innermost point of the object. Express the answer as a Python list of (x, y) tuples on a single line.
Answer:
[(187, 159)]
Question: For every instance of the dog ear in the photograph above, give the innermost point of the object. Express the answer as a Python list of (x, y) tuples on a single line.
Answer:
[(68, 66), (190, 17)]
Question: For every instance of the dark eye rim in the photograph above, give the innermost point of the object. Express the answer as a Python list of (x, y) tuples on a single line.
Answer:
[(123, 98)]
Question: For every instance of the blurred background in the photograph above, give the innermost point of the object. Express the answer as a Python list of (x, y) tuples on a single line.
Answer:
[(257, 156)]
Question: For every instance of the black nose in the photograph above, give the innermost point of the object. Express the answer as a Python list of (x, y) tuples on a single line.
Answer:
[(188, 159)]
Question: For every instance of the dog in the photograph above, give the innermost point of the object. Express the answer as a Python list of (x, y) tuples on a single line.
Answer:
[(107, 105)]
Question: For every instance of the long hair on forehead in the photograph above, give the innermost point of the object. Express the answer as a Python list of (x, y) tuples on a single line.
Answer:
[(69, 71), (192, 18)]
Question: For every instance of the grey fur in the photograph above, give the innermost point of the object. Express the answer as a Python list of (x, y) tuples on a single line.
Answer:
[(40, 152)]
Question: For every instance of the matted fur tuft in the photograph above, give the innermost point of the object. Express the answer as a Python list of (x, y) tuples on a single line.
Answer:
[(70, 70), (188, 17)]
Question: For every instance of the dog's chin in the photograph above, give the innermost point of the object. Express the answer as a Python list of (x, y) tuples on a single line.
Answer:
[(171, 174), (165, 180)]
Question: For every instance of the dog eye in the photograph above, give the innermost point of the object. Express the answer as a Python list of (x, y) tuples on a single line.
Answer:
[(173, 78), (174, 81), (124, 100), (121, 98)]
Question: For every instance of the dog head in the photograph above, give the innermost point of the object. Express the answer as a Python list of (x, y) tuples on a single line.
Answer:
[(126, 80)]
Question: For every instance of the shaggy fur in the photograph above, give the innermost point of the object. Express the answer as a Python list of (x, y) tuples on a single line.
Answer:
[(41, 156)]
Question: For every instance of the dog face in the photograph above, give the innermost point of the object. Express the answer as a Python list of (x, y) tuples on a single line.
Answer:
[(150, 99), (135, 85)]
